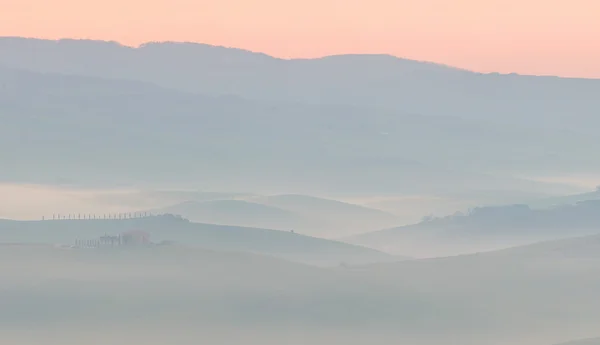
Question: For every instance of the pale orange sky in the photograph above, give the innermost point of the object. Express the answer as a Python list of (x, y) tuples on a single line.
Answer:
[(558, 37)]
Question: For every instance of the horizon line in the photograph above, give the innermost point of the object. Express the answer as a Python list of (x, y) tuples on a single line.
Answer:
[(320, 57)]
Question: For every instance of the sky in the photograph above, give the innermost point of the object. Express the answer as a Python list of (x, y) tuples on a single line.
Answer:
[(542, 37)]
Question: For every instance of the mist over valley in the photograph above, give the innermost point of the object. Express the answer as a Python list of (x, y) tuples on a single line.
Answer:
[(189, 193)]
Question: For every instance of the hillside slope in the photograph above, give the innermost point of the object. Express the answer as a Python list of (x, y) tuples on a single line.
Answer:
[(566, 200), (512, 290), (243, 213), (318, 150), (230, 238), (539, 294), (357, 80), (341, 218), (484, 229)]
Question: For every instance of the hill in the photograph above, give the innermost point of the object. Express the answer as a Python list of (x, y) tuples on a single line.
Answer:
[(357, 80), (486, 228), (281, 244), (242, 213), (566, 200), (140, 199), (506, 288), (351, 149), (341, 218), (537, 294), (302, 213)]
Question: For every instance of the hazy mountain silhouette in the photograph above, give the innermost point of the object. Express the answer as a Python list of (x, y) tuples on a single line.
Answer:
[(486, 228), (358, 80), (88, 130), (283, 244)]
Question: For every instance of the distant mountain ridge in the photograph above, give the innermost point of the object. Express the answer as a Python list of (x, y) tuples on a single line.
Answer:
[(319, 148), (359, 80), (360, 124)]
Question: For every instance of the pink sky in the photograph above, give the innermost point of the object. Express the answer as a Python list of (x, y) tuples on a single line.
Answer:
[(556, 37)]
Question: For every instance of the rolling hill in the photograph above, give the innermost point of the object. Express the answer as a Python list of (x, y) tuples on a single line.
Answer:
[(341, 218), (566, 200), (226, 143), (200, 117), (485, 229), (281, 244), (242, 213), (379, 81), (538, 294), (513, 290), (304, 214)]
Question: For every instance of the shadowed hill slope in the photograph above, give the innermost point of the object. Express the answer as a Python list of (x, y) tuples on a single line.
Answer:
[(242, 213), (511, 286), (566, 200), (311, 204), (304, 214), (486, 228), (342, 218), (230, 238), (357, 80), (319, 150), (540, 294)]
